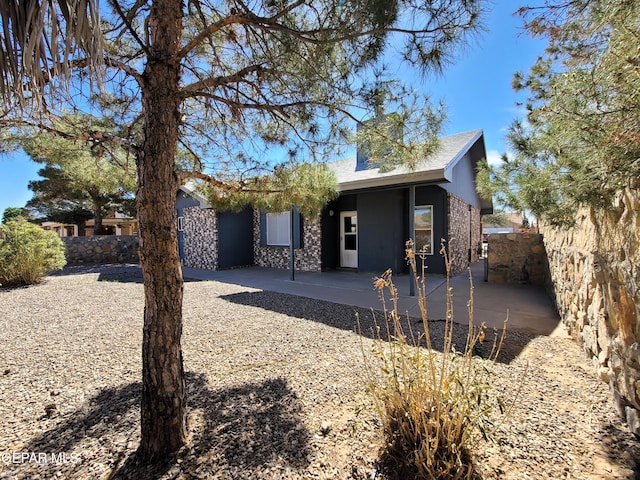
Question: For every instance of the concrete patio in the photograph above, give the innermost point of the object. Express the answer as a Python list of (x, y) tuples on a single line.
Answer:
[(528, 307)]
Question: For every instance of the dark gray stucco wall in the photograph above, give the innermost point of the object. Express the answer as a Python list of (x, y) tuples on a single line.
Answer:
[(382, 230), (330, 236), (235, 238), (436, 196)]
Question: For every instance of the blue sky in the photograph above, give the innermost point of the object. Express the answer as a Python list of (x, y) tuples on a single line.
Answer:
[(476, 90)]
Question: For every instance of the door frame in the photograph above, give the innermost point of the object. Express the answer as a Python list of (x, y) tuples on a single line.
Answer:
[(348, 258)]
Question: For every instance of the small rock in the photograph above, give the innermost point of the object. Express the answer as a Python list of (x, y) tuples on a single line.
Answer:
[(325, 428), (50, 410)]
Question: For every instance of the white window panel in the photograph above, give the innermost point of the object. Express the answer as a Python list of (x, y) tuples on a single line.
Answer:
[(423, 219), (278, 228)]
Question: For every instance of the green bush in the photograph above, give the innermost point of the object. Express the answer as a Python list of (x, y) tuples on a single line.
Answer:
[(432, 405), (27, 253)]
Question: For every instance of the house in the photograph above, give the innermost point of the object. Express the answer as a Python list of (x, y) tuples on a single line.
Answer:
[(366, 227), (114, 224), (508, 222), (61, 229), (212, 240)]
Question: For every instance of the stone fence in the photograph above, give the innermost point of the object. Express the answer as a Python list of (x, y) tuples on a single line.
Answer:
[(596, 279), (517, 258), (101, 249)]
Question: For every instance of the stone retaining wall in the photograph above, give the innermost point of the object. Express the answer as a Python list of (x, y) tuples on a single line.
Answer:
[(596, 278), (517, 258), (101, 249)]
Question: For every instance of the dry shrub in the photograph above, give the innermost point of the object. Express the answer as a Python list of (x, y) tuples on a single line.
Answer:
[(432, 405)]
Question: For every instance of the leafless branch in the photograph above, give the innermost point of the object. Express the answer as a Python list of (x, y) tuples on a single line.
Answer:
[(126, 19)]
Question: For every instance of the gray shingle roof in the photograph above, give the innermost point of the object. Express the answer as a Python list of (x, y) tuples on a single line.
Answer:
[(191, 189), (436, 168)]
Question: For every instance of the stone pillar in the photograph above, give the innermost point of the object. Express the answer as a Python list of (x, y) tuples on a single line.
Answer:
[(465, 233)]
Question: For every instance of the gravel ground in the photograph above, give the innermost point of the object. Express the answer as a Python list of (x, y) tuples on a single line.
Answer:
[(276, 389)]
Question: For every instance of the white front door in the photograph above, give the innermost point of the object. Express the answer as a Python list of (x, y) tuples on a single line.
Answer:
[(349, 239)]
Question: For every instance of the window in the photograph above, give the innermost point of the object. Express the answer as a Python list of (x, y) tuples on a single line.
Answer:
[(423, 219), (275, 229), (350, 232), (278, 228), (180, 224)]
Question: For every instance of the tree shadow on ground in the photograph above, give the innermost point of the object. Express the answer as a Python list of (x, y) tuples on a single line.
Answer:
[(109, 272), (329, 313), (99, 416), (621, 448), (249, 427), (246, 427), (366, 322)]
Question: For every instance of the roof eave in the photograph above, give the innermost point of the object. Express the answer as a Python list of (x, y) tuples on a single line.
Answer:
[(195, 195), (388, 181), (448, 169)]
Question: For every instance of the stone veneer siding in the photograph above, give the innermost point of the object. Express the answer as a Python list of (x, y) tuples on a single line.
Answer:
[(517, 258), (200, 238), (101, 249), (307, 258), (464, 224), (595, 269)]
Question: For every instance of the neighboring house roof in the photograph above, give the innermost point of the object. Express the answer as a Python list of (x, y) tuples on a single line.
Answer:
[(55, 224), (504, 220), (191, 189), (435, 169), (113, 221)]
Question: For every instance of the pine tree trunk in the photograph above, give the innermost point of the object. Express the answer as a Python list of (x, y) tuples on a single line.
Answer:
[(97, 218), (163, 426)]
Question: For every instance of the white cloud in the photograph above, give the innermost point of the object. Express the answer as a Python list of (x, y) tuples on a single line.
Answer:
[(494, 158)]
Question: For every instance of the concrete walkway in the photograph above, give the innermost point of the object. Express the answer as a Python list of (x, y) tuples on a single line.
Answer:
[(528, 307)]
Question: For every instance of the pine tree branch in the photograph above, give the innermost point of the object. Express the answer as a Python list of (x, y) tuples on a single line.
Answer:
[(126, 19), (214, 182), (94, 136), (195, 88)]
